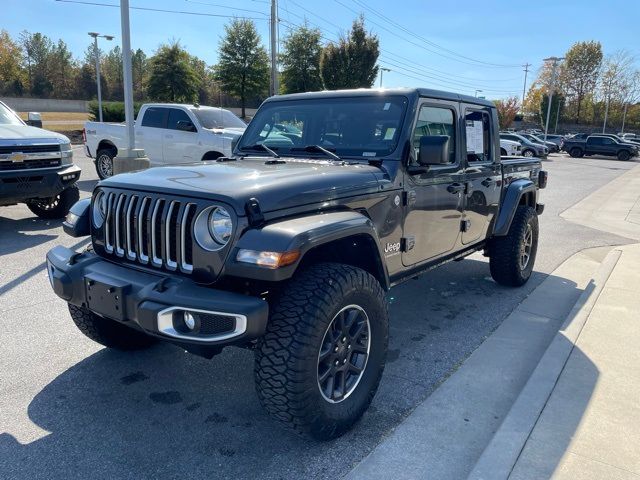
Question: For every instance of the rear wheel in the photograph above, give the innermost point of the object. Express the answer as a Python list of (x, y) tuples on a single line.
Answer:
[(503, 152), (512, 256), (319, 364), (108, 332), (55, 207), (623, 155), (104, 162)]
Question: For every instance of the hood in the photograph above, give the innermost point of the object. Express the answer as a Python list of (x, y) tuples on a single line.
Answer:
[(18, 133), (276, 186)]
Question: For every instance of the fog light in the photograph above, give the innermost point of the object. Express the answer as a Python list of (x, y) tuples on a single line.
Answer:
[(189, 320)]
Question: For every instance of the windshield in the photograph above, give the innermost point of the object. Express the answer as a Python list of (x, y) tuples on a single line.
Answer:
[(8, 117), (349, 127), (217, 118)]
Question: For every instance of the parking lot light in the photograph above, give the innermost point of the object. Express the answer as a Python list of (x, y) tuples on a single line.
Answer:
[(96, 54)]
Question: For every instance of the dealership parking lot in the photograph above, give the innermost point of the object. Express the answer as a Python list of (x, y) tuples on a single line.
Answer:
[(71, 409)]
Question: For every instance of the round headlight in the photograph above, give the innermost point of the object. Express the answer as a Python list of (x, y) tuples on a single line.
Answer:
[(220, 225), (99, 208)]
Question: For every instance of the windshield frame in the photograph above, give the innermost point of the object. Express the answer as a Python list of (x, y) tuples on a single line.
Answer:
[(406, 102), (11, 113)]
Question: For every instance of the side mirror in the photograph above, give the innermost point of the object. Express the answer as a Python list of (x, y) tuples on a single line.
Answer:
[(186, 126), (77, 222), (34, 119), (434, 150)]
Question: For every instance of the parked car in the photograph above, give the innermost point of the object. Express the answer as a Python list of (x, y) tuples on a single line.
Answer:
[(600, 145), (509, 148), (169, 134), (628, 136), (553, 147), (557, 139), (289, 250), (619, 139), (529, 149), (36, 167)]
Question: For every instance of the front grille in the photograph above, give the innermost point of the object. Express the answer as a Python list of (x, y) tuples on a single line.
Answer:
[(29, 164), (149, 230), (29, 149)]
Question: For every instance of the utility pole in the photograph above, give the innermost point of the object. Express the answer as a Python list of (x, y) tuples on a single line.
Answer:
[(129, 159), (624, 115), (96, 55), (382, 70), (555, 61), (606, 108), (274, 47), (555, 130), (524, 88)]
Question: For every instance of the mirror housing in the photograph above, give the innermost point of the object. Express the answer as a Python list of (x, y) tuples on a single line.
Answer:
[(77, 222), (34, 119), (186, 126), (434, 150)]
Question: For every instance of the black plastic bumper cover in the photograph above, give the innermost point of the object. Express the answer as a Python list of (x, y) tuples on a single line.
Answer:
[(21, 185), (135, 297)]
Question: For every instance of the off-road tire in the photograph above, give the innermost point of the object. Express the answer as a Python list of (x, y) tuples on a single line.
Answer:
[(623, 155), (56, 207), (108, 332), (576, 152), (104, 162), (288, 355), (505, 252)]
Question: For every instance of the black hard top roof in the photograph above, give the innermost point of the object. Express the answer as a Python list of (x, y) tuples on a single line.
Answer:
[(365, 92)]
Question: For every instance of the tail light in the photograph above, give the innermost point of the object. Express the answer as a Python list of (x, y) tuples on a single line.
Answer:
[(542, 179)]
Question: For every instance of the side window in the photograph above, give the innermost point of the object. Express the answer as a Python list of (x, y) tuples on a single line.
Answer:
[(153, 117), (478, 136), (435, 121), (607, 141), (595, 140), (176, 115)]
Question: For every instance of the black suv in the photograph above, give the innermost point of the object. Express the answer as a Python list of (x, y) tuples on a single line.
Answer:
[(289, 247)]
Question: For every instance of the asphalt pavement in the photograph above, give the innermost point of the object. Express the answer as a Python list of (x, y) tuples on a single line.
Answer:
[(71, 409)]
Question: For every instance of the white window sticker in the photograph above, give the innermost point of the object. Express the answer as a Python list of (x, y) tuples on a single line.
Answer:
[(387, 106), (368, 154), (475, 136), (389, 133)]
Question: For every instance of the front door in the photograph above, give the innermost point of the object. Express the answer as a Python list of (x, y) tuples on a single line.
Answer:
[(483, 174), (434, 200), (179, 146)]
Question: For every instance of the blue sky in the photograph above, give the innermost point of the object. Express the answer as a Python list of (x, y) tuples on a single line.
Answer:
[(452, 45)]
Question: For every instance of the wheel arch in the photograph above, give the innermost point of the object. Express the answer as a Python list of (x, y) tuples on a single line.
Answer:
[(212, 155), (346, 237), (520, 192), (106, 145)]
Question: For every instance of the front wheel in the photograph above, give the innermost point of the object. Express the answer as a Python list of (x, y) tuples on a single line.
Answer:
[(512, 256), (528, 153), (319, 364), (55, 207), (503, 152), (623, 155)]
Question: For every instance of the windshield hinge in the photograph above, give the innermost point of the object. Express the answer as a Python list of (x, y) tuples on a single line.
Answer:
[(254, 213)]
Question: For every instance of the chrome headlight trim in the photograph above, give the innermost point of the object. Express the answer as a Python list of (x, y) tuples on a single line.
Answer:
[(204, 234), (99, 208), (220, 225)]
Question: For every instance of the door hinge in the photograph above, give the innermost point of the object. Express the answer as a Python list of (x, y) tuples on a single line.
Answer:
[(465, 225), (408, 197), (407, 243)]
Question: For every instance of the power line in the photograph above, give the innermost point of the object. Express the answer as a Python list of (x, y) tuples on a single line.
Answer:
[(160, 10), (226, 7)]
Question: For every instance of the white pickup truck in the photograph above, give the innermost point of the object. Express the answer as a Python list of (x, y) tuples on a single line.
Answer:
[(169, 134), (509, 148)]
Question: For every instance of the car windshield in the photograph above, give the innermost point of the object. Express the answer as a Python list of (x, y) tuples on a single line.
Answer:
[(347, 126), (8, 117), (217, 118)]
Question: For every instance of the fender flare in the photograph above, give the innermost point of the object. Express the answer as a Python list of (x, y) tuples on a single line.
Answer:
[(304, 234), (510, 203)]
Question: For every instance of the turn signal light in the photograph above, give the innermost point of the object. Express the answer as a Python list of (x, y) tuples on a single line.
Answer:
[(268, 259)]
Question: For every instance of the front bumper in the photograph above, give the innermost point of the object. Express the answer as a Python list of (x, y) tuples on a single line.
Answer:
[(148, 302), (20, 185)]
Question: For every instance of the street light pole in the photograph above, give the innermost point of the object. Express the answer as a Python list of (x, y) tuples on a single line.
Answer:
[(274, 47), (96, 55), (382, 70), (555, 61), (477, 92)]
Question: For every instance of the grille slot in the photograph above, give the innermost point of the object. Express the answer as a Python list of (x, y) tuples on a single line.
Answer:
[(211, 324), (29, 164), (150, 230), (29, 149)]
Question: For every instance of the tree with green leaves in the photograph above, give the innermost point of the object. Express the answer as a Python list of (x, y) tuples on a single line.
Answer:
[(111, 68), (37, 49), (139, 65), (352, 62), (580, 72), (243, 69), (61, 68), (172, 77), (11, 74), (301, 60)]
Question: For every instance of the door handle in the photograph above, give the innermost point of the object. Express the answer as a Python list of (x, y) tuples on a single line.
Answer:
[(455, 188), (488, 182)]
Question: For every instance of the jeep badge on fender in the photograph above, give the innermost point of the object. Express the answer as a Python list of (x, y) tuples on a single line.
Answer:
[(289, 246)]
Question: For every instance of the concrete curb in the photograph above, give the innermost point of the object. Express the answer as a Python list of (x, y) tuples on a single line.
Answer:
[(501, 454)]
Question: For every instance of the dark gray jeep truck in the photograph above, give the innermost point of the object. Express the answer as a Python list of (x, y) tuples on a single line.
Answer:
[(606, 145), (289, 246), (36, 167)]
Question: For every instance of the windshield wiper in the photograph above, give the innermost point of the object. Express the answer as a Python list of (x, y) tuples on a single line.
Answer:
[(318, 148), (259, 146)]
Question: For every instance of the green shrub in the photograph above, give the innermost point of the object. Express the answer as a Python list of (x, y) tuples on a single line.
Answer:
[(111, 111)]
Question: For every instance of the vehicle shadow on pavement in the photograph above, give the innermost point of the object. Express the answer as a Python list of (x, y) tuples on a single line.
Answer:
[(17, 235), (163, 413)]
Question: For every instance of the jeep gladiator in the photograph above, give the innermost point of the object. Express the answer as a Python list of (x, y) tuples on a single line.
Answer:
[(36, 168), (289, 246), (600, 145)]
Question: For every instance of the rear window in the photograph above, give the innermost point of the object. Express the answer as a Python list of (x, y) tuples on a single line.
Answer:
[(154, 117)]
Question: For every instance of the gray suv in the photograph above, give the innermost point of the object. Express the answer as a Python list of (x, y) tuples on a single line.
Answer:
[(529, 148)]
